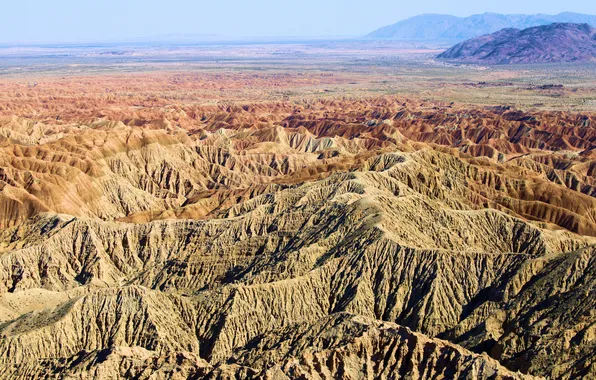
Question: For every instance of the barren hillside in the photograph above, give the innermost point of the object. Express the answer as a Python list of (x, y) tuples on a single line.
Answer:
[(559, 42), (381, 237)]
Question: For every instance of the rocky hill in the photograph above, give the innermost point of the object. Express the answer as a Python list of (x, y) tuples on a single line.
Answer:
[(447, 27), (542, 44), (330, 238)]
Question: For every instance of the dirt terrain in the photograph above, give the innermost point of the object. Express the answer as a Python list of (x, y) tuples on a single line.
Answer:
[(235, 223)]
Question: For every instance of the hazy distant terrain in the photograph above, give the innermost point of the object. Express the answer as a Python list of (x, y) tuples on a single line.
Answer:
[(447, 27), (366, 68)]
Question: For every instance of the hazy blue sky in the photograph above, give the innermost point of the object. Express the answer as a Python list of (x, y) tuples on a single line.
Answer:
[(101, 20)]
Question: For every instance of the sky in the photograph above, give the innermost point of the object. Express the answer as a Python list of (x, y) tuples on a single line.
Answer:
[(27, 21)]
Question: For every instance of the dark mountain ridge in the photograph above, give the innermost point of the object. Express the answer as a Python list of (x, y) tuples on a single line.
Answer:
[(560, 42)]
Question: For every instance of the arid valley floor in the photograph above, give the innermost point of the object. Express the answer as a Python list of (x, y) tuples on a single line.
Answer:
[(312, 210)]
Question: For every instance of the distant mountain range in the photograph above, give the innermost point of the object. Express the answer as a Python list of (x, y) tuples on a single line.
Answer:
[(559, 42), (447, 27)]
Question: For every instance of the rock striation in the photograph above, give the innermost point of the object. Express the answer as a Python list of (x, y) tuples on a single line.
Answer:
[(383, 238)]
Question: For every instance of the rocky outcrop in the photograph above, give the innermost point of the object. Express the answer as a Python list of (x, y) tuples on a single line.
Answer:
[(559, 42), (341, 345), (112, 171), (362, 243), (381, 240)]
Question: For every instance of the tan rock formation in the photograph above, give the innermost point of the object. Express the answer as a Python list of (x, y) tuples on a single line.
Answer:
[(379, 238)]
